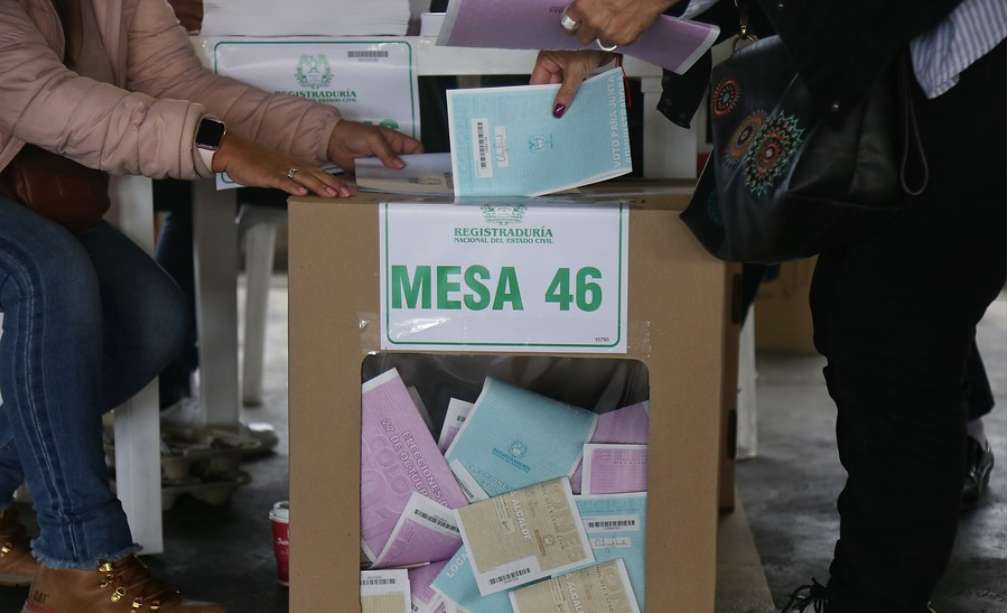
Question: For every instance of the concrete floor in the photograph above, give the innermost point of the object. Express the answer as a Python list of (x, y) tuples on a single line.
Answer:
[(788, 491)]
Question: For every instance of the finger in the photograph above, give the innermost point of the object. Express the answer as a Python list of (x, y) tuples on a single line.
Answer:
[(322, 183), (573, 77), (383, 150), (545, 69)]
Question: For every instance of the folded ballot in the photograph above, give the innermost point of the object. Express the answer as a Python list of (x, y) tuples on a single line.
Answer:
[(458, 411), (614, 469), (425, 531), (615, 525), (398, 457), (505, 141), (628, 426), (602, 588), (423, 597), (456, 584), (385, 591), (672, 43), (514, 438), (524, 536)]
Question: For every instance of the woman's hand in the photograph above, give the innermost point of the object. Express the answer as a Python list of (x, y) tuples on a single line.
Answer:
[(351, 140), (569, 68), (615, 22), (189, 13), (254, 165)]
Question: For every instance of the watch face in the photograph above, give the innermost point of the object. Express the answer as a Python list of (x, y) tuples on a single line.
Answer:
[(209, 134)]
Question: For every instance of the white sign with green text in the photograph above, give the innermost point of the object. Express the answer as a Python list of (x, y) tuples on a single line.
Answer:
[(504, 275), (372, 80)]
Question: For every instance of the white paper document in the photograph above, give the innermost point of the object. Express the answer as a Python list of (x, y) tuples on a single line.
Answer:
[(399, 457), (424, 174), (617, 529), (524, 536), (505, 141), (603, 588), (514, 438), (614, 469), (385, 591)]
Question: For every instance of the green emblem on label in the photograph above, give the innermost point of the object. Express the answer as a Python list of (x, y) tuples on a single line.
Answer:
[(314, 71), (503, 214)]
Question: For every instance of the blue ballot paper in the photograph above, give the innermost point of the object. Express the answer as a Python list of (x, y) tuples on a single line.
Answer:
[(505, 141), (615, 524), (514, 438), (457, 583)]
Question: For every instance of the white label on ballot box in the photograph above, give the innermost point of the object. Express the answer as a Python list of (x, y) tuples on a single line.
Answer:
[(516, 274), (371, 80)]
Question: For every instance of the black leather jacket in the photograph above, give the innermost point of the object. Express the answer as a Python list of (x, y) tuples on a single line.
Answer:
[(839, 46)]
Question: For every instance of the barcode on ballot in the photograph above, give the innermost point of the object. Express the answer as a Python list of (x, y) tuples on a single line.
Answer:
[(437, 521), (370, 54), (612, 524), (481, 148), (377, 581), (509, 577)]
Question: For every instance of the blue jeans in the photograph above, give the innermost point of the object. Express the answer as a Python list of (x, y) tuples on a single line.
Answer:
[(89, 320)]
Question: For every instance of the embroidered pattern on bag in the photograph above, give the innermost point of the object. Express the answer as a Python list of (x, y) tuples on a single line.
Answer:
[(726, 96), (775, 144), (742, 138)]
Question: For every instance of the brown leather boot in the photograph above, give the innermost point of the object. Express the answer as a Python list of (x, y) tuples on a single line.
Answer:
[(125, 586), (17, 564)]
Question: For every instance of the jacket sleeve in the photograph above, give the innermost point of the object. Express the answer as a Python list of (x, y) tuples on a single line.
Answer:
[(96, 124), (164, 64)]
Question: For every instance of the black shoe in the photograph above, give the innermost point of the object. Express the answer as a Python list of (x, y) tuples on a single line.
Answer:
[(811, 598), (979, 463)]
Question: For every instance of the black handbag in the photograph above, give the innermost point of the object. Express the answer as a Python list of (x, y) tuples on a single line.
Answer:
[(788, 179)]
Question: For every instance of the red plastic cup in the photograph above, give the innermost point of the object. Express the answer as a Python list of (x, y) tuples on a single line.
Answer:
[(280, 518)]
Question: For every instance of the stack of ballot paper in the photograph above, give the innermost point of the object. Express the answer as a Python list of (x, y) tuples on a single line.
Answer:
[(493, 525), (305, 17)]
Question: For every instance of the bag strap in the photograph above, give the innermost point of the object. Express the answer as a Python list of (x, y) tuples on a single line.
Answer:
[(743, 17)]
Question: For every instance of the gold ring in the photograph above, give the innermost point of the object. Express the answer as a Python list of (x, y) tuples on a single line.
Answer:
[(603, 47), (291, 173), (567, 23)]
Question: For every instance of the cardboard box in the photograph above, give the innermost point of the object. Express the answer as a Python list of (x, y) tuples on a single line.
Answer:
[(678, 303), (783, 319)]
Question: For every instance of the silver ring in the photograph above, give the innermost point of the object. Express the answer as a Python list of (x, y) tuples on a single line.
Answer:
[(567, 23), (291, 173), (610, 49)]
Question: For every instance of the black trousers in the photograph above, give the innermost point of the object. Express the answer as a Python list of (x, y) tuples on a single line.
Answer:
[(895, 316)]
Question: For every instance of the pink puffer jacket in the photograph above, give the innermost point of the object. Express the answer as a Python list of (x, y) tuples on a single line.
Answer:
[(145, 122)]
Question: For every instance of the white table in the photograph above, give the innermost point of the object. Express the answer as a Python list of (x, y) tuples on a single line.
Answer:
[(669, 152)]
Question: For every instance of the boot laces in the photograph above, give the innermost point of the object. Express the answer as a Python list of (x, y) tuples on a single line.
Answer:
[(131, 579), (812, 595)]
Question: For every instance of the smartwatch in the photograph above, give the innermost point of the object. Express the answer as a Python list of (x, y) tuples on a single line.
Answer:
[(210, 133)]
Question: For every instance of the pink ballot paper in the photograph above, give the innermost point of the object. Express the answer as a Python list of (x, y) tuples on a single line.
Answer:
[(674, 44), (424, 598), (398, 457), (425, 532), (614, 469), (628, 426)]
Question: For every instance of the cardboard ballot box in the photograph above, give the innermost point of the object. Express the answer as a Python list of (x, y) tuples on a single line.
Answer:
[(678, 323)]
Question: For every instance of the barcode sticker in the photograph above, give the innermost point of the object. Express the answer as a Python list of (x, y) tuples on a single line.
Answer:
[(481, 148), (370, 54), (613, 523), (437, 521), (510, 577)]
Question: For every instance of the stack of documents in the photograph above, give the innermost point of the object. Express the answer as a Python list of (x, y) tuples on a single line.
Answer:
[(492, 525), (305, 17)]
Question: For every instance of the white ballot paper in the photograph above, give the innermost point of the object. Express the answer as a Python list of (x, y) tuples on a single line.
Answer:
[(614, 469), (424, 174), (616, 527), (426, 531), (627, 426), (385, 591), (424, 598), (524, 535), (458, 412), (457, 586), (398, 457), (603, 588), (514, 438)]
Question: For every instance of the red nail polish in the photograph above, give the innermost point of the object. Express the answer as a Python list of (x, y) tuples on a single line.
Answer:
[(559, 110)]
